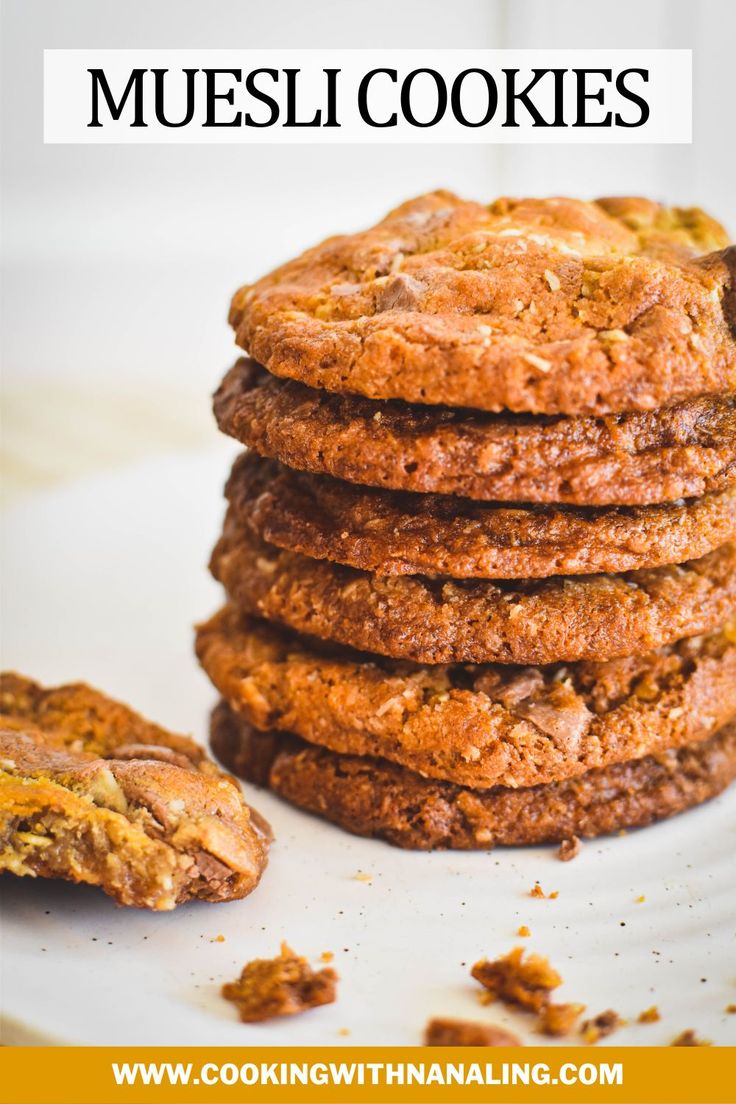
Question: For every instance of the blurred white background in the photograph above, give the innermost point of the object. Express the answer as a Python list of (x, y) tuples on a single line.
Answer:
[(119, 261)]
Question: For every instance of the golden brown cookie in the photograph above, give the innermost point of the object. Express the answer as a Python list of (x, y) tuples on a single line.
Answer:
[(624, 459), (91, 792), (372, 797), (545, 306), (475, 725), (471, 620), (396, 533)]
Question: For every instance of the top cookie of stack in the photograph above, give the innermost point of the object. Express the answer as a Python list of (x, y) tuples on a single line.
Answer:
[(621, 313), (490, 435)]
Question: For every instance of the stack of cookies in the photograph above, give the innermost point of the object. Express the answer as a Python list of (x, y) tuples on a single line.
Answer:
[(478, 557)]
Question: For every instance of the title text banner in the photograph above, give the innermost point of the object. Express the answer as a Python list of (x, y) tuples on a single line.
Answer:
[(383, 96)]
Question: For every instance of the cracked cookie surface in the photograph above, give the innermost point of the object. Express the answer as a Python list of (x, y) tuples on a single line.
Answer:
[(477, 725), (681, 451), (397, 533), (371, 797), (545, 306), (91, 792), (476, 621)]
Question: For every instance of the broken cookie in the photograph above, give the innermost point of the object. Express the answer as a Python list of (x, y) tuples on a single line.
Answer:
[(91, 792)]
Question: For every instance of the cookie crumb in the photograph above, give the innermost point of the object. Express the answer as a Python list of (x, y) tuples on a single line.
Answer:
[(444, 1032), (730, 1008), (282, 986), (639, 900), (362, 876), (326, 956), (523, 931), (537, 891), (569, 849), (527, 982), (559, 1019), (605, 1023), (344, 1031), (689, 1038), (218, 939), (649, 1015)]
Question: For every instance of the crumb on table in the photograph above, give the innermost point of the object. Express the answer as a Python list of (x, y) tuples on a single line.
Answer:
[(569, 849), (515, 979), (282, 986), (446, 1032), (649, 1015), (559, 1019), (605, 1023), (524, 931), (537, 891), (689, 1038)]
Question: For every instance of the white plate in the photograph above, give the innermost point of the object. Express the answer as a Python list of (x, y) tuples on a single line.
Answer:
[(102, 581)]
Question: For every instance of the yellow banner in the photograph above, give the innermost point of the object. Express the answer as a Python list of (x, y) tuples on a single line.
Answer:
[(367, 1075)]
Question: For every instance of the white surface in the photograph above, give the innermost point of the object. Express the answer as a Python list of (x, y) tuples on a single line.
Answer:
[(102, 581)]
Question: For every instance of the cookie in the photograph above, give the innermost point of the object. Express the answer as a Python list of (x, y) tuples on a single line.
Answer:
[(91, 792), (625, 459), (397, 533), (475, 725), (544, 306), (476, 621), (372, 797)]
